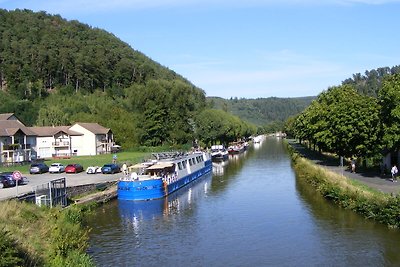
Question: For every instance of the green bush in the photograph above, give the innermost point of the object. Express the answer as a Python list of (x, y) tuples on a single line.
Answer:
[(9, 255)]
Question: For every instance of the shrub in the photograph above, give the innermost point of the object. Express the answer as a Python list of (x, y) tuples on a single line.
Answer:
[(9, 255)]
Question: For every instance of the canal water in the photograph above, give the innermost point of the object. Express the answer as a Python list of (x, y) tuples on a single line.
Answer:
[(250, 212)]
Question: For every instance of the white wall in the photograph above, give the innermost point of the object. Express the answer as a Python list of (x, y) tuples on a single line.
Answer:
[(44, 147), (84, 144)]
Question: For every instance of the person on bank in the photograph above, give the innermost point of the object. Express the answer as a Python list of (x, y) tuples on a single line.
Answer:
[(353, 165), (394, 172)]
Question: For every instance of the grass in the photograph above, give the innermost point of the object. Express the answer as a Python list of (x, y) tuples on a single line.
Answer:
[(86, 161), (45, 237)]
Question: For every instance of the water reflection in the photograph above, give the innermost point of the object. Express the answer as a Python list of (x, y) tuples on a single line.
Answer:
[(358, 241), (218, 168)]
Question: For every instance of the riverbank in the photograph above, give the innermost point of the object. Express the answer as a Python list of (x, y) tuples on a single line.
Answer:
[(35, 236), (370, 200)]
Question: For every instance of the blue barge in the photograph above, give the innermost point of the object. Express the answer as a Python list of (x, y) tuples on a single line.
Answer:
[(168, 172)]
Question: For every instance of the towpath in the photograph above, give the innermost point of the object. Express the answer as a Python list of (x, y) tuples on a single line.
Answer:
[(370, 178)]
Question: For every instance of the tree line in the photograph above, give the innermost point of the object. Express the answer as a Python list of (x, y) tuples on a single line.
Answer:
[(352, 124)]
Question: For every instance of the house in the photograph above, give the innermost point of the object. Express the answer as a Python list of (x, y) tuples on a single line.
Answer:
[(54, 142), (19, 143), (95, 139)]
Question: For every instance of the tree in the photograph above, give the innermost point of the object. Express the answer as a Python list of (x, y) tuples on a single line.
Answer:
[(343, 122), (389, 100)]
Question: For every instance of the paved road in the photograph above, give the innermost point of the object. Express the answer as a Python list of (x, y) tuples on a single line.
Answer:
[(71, 179), (370, 178)]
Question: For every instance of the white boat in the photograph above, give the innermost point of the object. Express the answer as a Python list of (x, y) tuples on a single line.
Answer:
[(219, 153)]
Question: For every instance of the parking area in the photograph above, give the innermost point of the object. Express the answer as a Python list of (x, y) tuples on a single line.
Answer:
[(73, 179)]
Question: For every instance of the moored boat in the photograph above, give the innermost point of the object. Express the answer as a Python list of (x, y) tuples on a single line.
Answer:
[(237, 147), (219, 153), (168, 172)]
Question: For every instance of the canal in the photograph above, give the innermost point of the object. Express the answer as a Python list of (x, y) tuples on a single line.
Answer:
[(250, 212)]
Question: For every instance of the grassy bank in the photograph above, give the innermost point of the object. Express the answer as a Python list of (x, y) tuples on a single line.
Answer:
[(34, 236), (348, 193)]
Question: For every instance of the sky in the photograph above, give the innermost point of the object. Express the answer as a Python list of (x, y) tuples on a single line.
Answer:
[(248, 48)]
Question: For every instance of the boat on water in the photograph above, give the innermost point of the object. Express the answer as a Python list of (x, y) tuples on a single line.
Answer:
[(166, 173), (219, 153), (137, 213), (237, 147)]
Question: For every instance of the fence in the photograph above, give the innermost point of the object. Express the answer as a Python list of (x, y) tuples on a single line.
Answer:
[(52, 194)]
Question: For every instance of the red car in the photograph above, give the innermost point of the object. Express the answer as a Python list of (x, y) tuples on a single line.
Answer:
[(74, 168)]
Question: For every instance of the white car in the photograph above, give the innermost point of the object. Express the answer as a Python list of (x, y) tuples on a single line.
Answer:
[(93, 169), (56, 168)]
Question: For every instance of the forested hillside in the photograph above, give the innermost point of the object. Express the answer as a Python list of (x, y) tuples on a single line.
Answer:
[(370, 82), (57, 72), (40, 52), (262, 111)]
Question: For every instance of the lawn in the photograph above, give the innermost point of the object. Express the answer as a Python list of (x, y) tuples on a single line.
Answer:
[(86, 161)]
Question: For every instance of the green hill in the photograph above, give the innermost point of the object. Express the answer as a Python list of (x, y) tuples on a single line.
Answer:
[(262, 111), (42, 52)]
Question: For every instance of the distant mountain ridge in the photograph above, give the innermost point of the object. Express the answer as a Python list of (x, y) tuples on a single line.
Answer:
[(262, 111)]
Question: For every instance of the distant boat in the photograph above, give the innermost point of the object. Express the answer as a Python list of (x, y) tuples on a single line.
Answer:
[(257, 139), (219, 153), (168, 172), (237, 147)]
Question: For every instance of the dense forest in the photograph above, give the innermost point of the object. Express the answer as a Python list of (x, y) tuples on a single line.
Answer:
[(57, 72)]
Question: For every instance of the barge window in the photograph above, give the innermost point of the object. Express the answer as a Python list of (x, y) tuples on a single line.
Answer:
[(184, 164), (180, 165)]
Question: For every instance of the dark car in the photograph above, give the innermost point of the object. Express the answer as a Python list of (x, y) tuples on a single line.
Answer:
[(38, 168), (6, 182), (73, 168), (10, 176), (110, 168)]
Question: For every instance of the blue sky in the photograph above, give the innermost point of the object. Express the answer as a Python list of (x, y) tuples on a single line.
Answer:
[(248, 48)]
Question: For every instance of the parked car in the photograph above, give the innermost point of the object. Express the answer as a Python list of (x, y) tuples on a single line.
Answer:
[(93, 169), (6, 182), (38, 168), (110, 168), (56, 167), (10, 176), (73, 168)]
